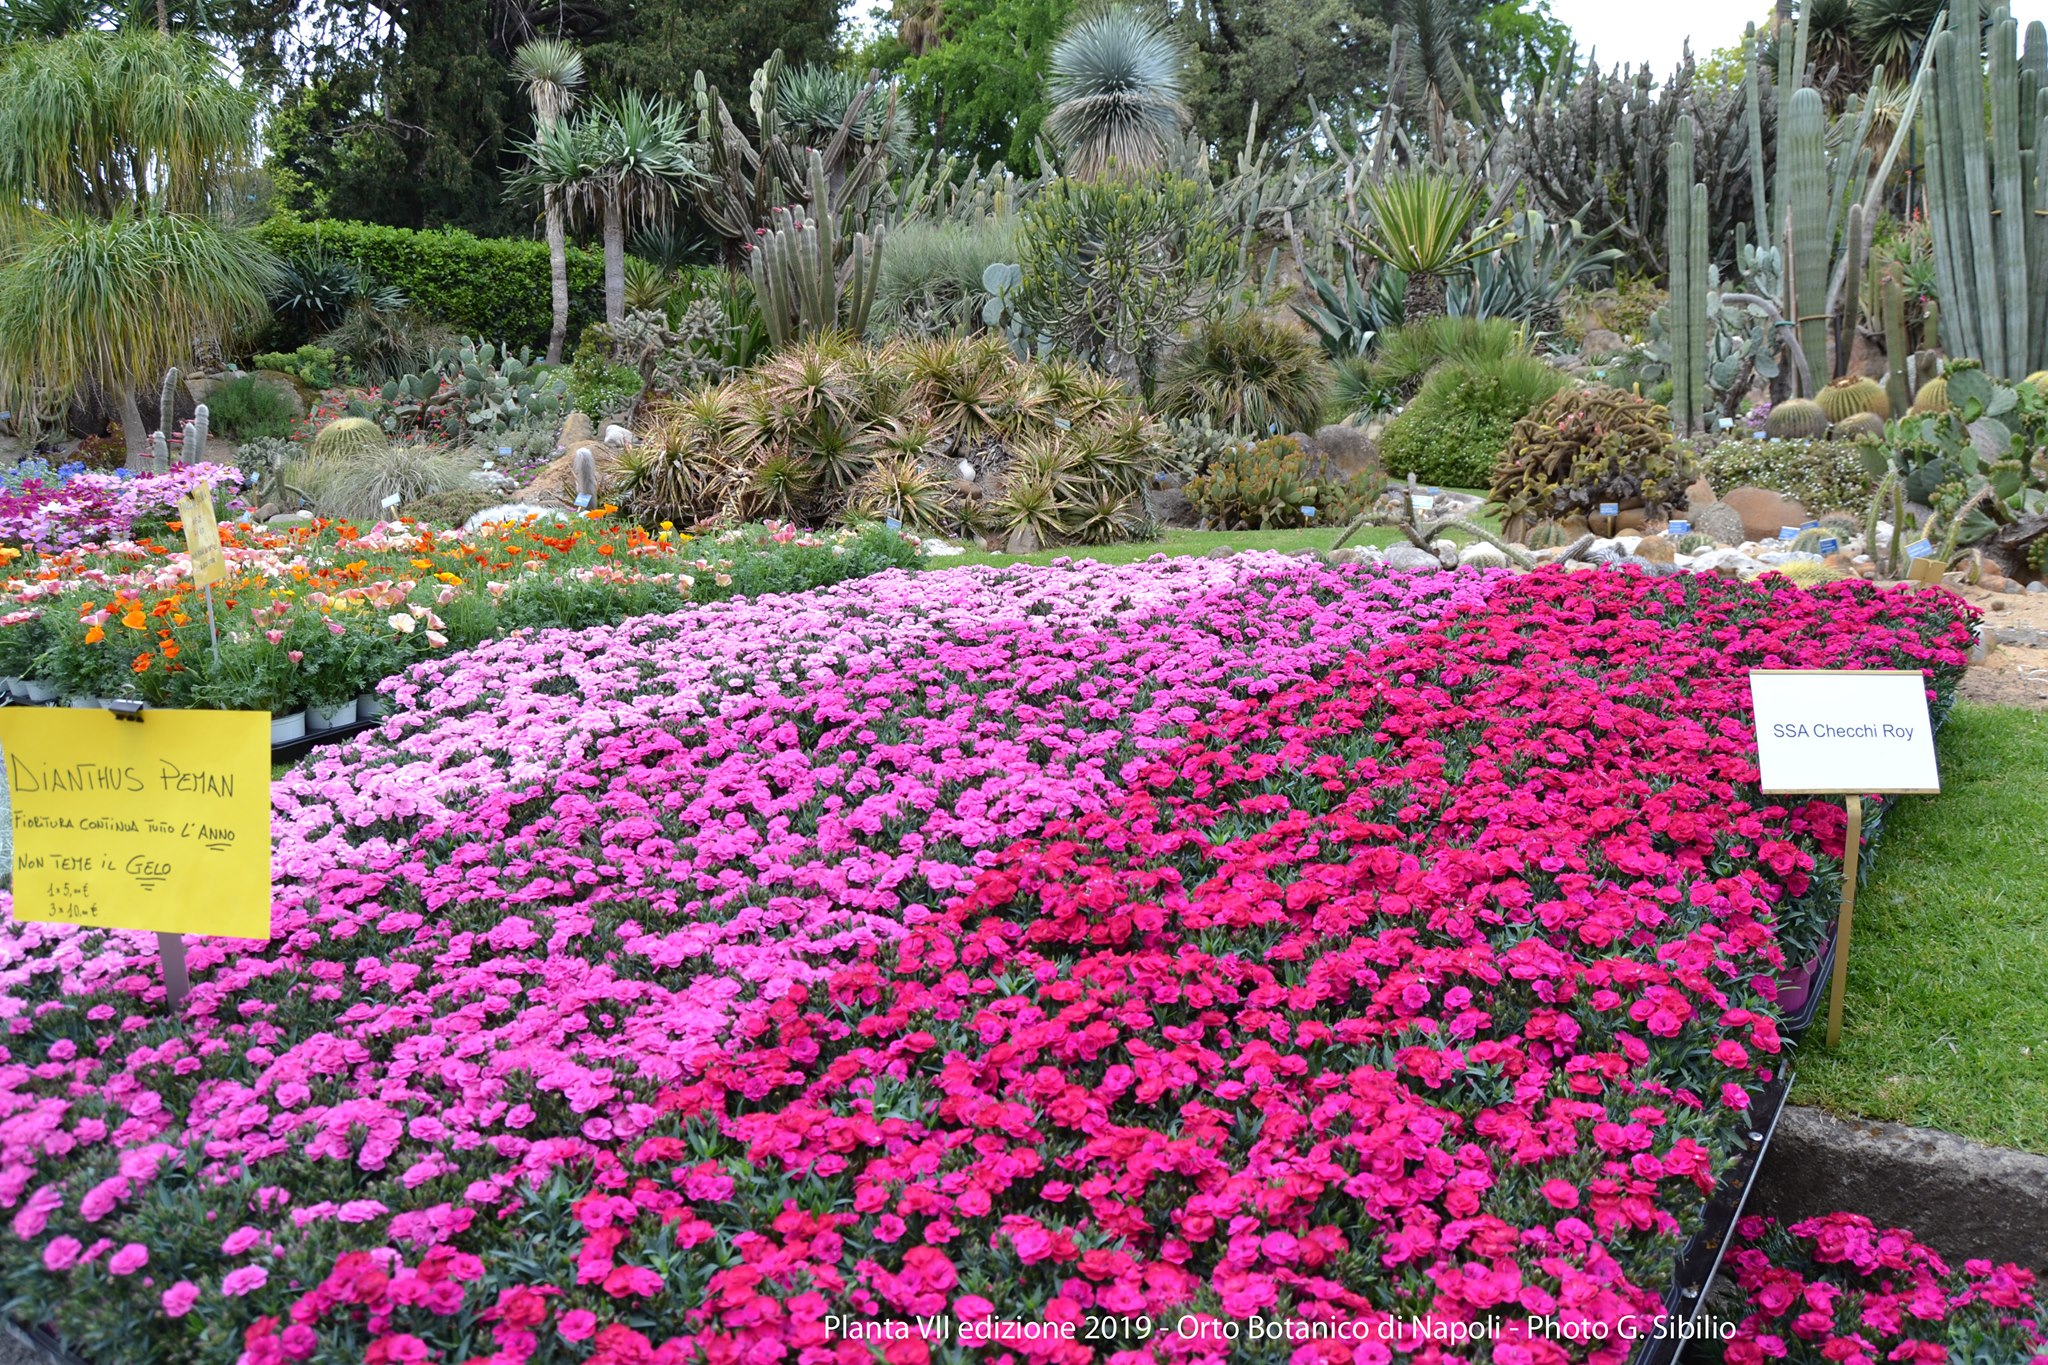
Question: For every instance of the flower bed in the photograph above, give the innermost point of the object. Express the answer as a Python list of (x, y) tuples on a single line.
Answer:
[(51, 508), (321, 614), (1188, 944)]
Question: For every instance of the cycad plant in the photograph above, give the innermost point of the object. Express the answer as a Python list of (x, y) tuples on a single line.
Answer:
[(551, 72), (1114, 79), (1427, 224)]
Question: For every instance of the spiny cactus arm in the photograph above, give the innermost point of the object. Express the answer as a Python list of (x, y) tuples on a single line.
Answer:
[(2010, 190), (1875, 513), (1577, 549), (1753, 115), (167, 401), (1517, 556), (1955, 523), (159, 453), (1372, 517), (1786, 331), (1855, 247)]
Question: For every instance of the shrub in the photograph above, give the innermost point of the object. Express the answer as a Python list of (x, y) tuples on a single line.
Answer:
[(597, 386), (931, 276), (1247, 374), (1823, 475), (247, 407), (1584, 447), (310, 365), (491, 287), (355, 486), (379, 346), (1453, 431), (1113, 268), (1406, 355), (452, 507), (1272, 485)]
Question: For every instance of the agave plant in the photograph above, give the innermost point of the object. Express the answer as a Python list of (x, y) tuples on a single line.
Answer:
[(1246, 374), (1032, 514), (1114, 79), (1426, 224), (648, 286), (815, 102)]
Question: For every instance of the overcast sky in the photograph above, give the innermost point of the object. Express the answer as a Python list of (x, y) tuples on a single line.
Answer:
[(1655, 31)]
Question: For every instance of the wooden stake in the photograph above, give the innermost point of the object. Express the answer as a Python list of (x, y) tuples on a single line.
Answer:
[(1851, 849), (171, 947)]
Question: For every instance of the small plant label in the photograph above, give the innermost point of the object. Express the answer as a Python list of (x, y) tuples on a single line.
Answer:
[(1846, 733), (1308, 511), (1829, 545), (1424, 503), (1809, 526), (1680, 527), (505, 451), (1788, 533), (1610, 509), (161, 823), (583, 499), (391, 501), (1920, 549), (892, 523), (202, 537)]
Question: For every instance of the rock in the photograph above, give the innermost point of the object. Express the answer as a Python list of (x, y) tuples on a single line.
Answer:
[(1718, 522), (290, 519), (1764, 512), (1446, 552), (1657, 550), (1480, 555), (1601, 343), (288, 387), (1992, 582), (1699, 493), (554, 483), (1727, 561), (1631, 519), (511, 511), (1346, 451), (1220, 552), (2013, 587), (2037, 586), (2000, 604), (616, 435), (1023, 540), (575, 427), (1409, 559), (1573, 525), (1601, 552), (1170, 507)]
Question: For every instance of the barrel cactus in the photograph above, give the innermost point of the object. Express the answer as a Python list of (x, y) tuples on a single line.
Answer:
[(2038, 381), (1694, 543), (1858, 424), (346, 438), (1797, 419), (1853, 394), (1808, 573), (1807, 542), (1933, 397), (1547, 535)]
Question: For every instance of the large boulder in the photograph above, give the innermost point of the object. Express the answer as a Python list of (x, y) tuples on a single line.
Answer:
[(1170, 507), (288, 387), (1601, 343), (1408, 557), (1346, 451), (1718, 522), (1764, 512)]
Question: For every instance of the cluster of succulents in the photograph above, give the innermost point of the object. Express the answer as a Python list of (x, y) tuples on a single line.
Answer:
[(472, 390), (1274, 484), (1820, 475), (1588, 446), (944, 435)]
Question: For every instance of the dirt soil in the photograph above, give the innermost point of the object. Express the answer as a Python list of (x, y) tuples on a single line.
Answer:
[(2015, 673)]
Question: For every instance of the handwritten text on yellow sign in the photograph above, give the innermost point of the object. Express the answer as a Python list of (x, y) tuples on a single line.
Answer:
[(162, 825), (202, 537)]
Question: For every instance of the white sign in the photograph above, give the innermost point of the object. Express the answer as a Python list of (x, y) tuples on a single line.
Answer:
[(1848, 733)]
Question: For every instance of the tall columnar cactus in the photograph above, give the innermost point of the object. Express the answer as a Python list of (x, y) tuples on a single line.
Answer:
[(805, 286), (1804, 213), (1849, 303), (159, 453), (1752, 104), (1685, 216), (1988, 196), (167, 400), (1898, 388), (193, 447)]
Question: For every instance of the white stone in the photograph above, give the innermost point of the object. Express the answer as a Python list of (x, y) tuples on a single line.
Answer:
[(617, 437)]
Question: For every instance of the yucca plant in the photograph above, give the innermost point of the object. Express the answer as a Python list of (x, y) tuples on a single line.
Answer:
[(1114, 79), (1426, 224), (1246, 374), (550, 70)]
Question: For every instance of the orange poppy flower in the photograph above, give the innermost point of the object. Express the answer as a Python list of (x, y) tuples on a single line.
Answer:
[(170, 649), (141, 664), (134, 619), (94, 635)]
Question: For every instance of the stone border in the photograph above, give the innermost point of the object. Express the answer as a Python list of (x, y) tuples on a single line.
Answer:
[(1960, 1197)]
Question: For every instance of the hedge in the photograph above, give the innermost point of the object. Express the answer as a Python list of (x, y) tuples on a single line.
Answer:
[(495, 288)]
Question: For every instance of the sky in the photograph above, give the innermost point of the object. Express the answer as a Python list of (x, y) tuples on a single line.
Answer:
[(1655, 31)]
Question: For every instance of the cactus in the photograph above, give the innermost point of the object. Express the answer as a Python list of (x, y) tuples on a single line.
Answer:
[(1849, 303), (1694, 543), (1894, 562), (2038, 382), (159, 453), (1687, 312), (806, 290), (1897, 389), (1846, 397), (1546, 535), (1797, 419), (1516, 555), (1809, 574), (167, 401), (346, 438), (1579, 547), (1858, 425), (1986, 195), (1804, 211), (1955, 523), (1933, 397), (584, 465), (1807, 542)]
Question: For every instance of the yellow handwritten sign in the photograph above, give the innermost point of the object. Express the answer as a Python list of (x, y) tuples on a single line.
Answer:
[(162, 825), (202, 537)]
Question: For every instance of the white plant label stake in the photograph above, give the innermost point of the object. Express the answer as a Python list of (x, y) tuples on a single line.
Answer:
[(1843, 733)]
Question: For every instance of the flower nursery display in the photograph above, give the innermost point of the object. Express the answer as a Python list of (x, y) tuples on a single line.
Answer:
[(316, 615), (51, 508), (1088, 962)]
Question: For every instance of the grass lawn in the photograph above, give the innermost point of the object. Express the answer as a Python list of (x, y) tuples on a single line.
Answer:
[(1946, 1022), (1181, 542)]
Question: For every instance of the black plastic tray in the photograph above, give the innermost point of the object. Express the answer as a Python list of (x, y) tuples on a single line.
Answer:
[(288, 752)]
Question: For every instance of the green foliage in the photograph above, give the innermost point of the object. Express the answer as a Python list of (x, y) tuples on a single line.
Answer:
[(479, 286), (1821, 475), (1113, 268), (982, 89), (1406, 355), (311, 365), (247, 408), (355, 486), (1114, 79), (1456, 426), (1981, 441), (1246, 374), (597, 386), (1588, 446), (1273, 485), (808, 283), (1423, 221), (932, 273), (1279, 55), (473, 390)]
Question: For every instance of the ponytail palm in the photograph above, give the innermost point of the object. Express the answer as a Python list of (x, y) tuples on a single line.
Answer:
[(1423, 225), (1114, 78), (551, 72), (119, 300)]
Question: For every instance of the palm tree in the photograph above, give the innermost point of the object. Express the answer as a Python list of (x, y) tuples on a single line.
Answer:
[(551, 70), (1114, 78), (1423, 225), (115, 150)]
